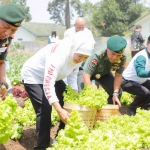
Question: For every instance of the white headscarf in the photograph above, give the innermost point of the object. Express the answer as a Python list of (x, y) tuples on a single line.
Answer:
[(81, 43)]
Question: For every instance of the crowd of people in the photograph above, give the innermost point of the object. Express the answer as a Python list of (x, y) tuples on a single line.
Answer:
[(80, 61)]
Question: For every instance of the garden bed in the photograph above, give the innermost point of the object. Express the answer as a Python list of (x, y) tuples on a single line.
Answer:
[(28, 138)]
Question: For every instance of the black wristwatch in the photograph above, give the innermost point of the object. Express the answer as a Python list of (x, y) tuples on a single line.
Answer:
[(4, 83)]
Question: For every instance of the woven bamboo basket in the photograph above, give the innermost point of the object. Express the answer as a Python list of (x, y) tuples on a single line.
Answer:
[(88, 114), (106, 112)]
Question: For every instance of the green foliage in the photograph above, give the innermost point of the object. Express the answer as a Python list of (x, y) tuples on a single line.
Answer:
[(112, 17), (7, 113), (16, 62), (16, 130), (25, 116), (74, 135), (90, 97), (58, 9), (21, 3), (13, 118), (54, 117), (84, 9), (16, 47), (126, 98), (117, 133)]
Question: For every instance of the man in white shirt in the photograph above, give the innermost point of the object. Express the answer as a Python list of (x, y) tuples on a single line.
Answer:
[(78, 26)]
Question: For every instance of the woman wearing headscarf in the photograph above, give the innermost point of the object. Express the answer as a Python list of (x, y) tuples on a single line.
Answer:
[(42, 76)]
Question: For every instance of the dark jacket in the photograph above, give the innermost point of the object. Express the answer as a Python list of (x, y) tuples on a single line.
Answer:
[(137, 37)]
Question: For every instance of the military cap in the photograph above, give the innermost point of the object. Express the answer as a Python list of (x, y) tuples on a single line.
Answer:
[(117, 44), (12, 14)]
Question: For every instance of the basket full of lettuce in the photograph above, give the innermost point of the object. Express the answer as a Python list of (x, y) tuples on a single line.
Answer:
[(87, 101)]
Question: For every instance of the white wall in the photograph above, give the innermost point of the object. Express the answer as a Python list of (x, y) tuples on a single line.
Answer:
[(145, 28), (23, 34)]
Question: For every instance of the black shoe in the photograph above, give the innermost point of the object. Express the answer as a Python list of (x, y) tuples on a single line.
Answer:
[(131, 111)]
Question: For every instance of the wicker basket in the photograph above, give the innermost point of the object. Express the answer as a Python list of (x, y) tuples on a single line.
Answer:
[(88, 114), (106, 112)]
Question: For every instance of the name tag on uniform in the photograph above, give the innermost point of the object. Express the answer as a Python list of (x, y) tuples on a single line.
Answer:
[(2, 49)]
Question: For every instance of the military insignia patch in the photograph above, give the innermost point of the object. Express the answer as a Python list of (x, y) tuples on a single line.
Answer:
[(97, 76), (94, 63), (100, 66), (19, 23), (113, 68), (5, 43), (119, 61)]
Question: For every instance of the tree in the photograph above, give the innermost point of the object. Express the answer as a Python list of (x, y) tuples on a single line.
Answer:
[(21, 3), (85, 10), (61, 11), (112, 17)]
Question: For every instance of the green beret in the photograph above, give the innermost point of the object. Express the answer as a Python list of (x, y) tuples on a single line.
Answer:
[(117, 44), (12, 14)]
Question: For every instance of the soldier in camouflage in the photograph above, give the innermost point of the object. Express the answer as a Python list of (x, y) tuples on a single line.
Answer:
[(11, 17), (100, 64)]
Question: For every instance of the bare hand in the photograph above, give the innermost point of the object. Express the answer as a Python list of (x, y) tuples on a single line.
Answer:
[(63, 114), (116, 99)]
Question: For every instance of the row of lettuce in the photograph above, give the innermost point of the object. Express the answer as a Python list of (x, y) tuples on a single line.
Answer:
[(117, 133), (106, 135), (14, 118)]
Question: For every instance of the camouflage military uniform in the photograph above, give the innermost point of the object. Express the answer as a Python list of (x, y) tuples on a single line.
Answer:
[(99, 67), (4, 44)]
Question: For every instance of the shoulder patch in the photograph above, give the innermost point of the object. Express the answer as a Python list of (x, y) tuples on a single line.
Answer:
[(94, 63)]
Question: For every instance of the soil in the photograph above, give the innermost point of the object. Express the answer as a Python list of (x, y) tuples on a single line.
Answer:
[(28, 139)]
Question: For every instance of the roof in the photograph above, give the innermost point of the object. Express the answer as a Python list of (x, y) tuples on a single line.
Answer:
[(43, 29), (139, 19)]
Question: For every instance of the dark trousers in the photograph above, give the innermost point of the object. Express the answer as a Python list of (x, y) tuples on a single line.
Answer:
[(142, 92), (80, 80), (133, 53), (106, 81), (43, 111)]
